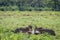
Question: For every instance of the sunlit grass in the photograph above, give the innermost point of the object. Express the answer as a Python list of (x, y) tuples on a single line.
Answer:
[(11, 20)]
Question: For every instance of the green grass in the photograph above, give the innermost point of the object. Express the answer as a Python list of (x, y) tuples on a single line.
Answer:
[(11, 20)]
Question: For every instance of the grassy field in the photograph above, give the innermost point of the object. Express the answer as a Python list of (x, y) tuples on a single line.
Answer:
[(11, 20)]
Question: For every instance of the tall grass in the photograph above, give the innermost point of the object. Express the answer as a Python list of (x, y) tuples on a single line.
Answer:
[(10, 20)]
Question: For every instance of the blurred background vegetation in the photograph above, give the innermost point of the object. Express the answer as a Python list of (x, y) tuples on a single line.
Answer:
[(29, 5)]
